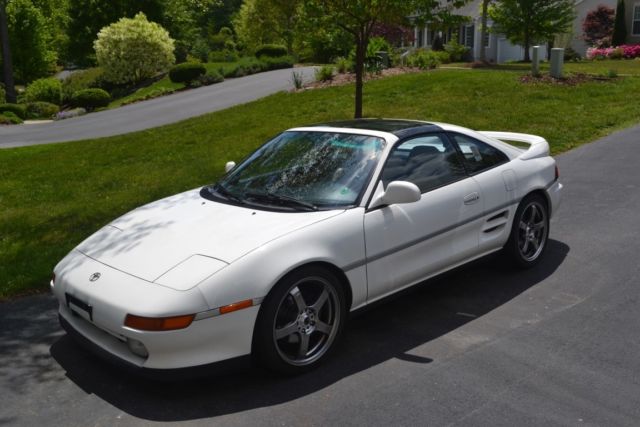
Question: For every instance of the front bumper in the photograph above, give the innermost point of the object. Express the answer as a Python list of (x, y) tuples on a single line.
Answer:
[(216, 368), (115, 294)]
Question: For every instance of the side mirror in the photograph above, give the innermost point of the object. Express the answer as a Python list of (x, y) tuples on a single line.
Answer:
[(397, 192), (229, 166)]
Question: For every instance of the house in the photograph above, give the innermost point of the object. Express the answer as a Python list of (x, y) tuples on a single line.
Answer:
[(498, 48)]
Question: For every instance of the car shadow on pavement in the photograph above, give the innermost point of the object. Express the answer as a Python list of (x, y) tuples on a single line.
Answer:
[(387, 331)]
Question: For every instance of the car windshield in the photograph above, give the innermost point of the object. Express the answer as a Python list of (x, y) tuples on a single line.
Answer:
[(304, 171)]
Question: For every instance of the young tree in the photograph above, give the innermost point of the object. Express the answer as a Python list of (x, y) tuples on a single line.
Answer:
[(598, 26), (619, 26), (133, 49), (7, 66), (526, 22), (359, 18)]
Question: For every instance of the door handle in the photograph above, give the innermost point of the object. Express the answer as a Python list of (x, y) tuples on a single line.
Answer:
[(472, 198)]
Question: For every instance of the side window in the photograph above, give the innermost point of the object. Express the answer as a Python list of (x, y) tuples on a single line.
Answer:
[(429, 161), (478, 156)]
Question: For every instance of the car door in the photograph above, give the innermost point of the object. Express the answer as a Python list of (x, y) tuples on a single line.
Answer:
[(493, 172), (407, 242)]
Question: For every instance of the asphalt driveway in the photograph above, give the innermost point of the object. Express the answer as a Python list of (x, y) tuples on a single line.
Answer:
[(484, 345), (154, 112)]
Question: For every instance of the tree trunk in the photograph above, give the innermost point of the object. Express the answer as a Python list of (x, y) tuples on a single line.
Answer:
[(6, 55), (527, 58), (361, 46), (483, 31)]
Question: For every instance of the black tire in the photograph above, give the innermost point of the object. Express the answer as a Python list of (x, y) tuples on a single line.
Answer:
[(300, 321), (529, 232)]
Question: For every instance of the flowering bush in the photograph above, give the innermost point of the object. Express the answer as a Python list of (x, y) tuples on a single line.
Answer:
[(625, 51), (76, 112)]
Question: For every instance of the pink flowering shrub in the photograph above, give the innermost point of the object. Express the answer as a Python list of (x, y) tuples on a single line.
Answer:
[(627, 51)]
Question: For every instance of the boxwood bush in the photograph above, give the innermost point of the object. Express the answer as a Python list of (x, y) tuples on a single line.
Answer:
[(17, 109), (277, 62), (90, 99), (271, 50), (46, 90), (84, 79), (187, 72), (41, 110)]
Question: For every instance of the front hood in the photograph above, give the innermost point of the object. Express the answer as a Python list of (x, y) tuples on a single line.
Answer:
[(150, 240)]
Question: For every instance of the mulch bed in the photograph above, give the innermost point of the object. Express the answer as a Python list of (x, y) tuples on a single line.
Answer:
[(347, 78), (572, 79)]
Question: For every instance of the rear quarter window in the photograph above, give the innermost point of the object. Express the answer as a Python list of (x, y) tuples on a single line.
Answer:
[(478, 156)]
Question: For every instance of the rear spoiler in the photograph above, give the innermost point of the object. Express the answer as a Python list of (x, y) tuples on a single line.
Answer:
[(538, 146)]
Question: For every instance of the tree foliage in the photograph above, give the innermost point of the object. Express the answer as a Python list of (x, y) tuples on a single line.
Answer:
[(526, 22), (31, 45), (87, 17), (359, 18), (598, 26), (134, 49)]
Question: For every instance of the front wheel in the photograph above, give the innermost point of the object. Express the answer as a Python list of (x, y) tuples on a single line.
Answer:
[(529, 233), (300, 321)]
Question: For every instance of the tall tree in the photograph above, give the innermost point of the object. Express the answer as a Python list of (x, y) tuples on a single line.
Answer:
[(359, 18), (7, 66), (32, 53), (526, 22), (269, 21), (619, 26)]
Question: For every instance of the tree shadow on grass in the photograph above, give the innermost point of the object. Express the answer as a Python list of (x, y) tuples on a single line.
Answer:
[(387, 331)]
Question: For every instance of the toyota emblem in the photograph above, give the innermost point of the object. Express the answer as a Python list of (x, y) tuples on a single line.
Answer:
[(94, 277)]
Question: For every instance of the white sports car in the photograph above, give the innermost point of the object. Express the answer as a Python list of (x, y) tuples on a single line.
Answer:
[(318, 222)]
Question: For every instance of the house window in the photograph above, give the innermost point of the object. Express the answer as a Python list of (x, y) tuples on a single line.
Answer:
[(487, 37), (419, 38), (469, 31), (635, 24)]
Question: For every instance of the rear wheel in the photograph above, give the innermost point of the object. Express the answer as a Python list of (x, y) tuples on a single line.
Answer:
[(529, 233), (300, 321)]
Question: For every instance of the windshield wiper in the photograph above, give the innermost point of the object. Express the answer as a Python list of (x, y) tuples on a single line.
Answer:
[(220, 189), (281, 200)]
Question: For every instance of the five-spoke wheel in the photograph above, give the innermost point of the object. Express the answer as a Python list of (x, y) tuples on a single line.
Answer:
[(530, 231), (300, 320)]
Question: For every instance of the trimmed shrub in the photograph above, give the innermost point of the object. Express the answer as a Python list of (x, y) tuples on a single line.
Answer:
[(222, 56), (84, 79), (211, 77), (8, 118), (90, 99), (46, 90), (41, 110), (455, 50), (187, 72), (324, 73), (271, 50), (3, 94), (133, 49), (277, 63), (17, 109)]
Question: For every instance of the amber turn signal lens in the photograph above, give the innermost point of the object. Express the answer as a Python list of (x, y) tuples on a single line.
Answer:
[(158, 323), (236, 306)]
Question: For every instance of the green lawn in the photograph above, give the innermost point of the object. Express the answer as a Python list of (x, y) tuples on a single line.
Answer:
[(620, 66), (54, 196)]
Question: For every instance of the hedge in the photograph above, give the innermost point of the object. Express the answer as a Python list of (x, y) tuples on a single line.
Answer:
[(271, 50), (91, 98), (17, 109), (41, 110), (186, 72)]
